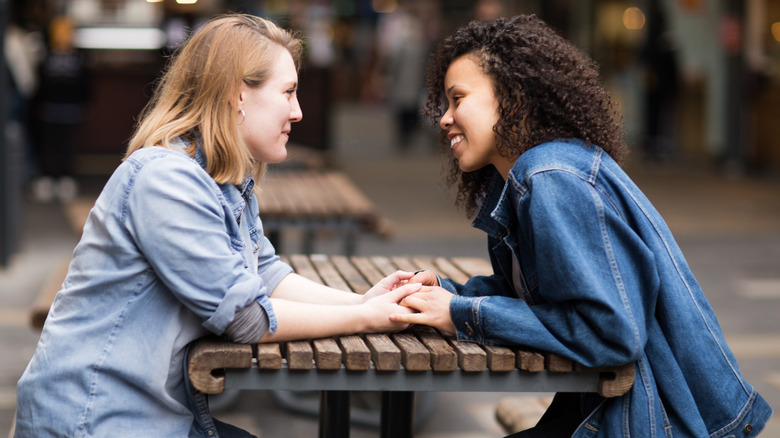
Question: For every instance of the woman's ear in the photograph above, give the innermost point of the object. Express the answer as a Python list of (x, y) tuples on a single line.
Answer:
[(240, 98)]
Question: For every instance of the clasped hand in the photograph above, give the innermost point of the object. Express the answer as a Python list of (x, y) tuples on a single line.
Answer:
[(430, 304)]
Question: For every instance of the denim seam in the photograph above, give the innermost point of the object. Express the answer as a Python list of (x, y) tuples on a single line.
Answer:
[(98, 365), (478, 335), (647, 385), (729, 428), (674, 262), (613, 266)]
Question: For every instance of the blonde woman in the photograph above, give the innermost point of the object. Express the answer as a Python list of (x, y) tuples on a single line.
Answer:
[(174, 250)]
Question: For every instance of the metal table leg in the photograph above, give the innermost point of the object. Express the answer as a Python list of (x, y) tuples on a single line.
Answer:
[(397, 414), (334, 414)]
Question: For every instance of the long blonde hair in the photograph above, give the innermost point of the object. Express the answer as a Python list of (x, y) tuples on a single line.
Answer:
[(195, 94)]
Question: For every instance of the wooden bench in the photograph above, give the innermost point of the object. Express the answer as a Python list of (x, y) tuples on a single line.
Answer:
[(317, 202), (52, 285), (398, 364)]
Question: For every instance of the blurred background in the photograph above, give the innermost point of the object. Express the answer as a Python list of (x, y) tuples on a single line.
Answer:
[(696, 79), (698, 83)]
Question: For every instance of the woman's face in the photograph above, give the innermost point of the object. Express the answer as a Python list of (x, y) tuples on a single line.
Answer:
[(270, 109), (471, 114)]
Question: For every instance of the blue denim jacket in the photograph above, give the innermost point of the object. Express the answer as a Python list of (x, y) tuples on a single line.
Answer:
[(585, 267), (167, 256)]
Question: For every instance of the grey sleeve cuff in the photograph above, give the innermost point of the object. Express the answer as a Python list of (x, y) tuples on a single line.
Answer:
[(249, 325)]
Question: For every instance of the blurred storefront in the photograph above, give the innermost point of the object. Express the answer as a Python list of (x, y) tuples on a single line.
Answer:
[(695, 79), (703, 64)]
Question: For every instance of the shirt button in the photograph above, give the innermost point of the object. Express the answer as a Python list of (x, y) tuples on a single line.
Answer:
[(748, 429), (210, 432), (469, 330)]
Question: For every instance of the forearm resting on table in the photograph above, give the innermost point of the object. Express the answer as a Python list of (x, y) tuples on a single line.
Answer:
[(298, 288), (301, 320), (297, 320)]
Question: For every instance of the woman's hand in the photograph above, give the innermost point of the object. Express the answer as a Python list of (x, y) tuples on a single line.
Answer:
[(387, 284), (431, 306), (423, 276), (382, 306)]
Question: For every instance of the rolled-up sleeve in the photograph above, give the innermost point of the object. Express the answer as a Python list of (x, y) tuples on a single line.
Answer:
[(174, 214)]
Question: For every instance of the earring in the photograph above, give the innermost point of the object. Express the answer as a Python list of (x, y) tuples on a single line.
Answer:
[(243, 114)]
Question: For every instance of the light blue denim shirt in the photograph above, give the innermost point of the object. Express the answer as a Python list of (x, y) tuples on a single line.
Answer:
[(167, 256), (585, 267)]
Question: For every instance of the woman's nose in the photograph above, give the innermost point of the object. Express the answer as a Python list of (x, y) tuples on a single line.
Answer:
[(296, 113), (446, 121)]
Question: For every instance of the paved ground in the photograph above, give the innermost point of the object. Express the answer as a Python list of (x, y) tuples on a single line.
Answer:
[(729, 229)]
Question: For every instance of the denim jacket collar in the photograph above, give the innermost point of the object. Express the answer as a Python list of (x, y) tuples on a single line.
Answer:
[(491, 216)]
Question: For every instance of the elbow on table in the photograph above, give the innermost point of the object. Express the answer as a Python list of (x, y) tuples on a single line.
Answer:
[(618, 344), (618, 350)]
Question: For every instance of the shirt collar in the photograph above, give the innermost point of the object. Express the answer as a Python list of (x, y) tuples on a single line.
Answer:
[(245, 187)]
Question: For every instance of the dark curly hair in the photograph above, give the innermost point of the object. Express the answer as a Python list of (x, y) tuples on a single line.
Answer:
[(547, 89)]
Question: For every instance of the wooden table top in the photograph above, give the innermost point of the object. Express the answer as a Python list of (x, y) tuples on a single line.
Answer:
[(371, 359)]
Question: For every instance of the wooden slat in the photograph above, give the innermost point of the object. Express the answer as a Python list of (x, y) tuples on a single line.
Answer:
[(77, 212), (327, 354), (447, 269), (616, 381), (471, 357), (269, 204), (304, 267), (49, 290), (473, 266), (351, 275), (404, 264), (385, 355), (366, 268), (328, 196), (414, 355), (613, 381), (309, 195), (356, 203), (269, 356), (499, 358), (274, 197), (557, 363), (329, 274), (299, 355), (357, 355), (530, 360), (424, 263), (443, 356), (210, 354), (383, 265)]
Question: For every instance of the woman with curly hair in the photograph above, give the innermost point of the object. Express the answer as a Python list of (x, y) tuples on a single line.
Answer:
[(584, 266)]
